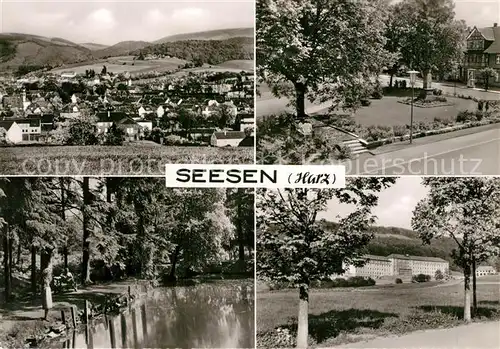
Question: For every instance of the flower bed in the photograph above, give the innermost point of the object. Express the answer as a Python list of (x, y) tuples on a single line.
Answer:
[(432, 132), (428, 103)]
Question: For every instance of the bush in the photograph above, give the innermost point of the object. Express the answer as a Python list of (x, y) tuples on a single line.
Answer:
[(399, 281), (439, 275), (175, 140), (421, 278), (440, 99), (399, 130), (465, 116), (375, 133), (365, 102), (479, 115), (480, 105), (437, 92)]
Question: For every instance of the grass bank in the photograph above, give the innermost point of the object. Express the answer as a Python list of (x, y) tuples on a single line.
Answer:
[(116, 160), (339, 316)]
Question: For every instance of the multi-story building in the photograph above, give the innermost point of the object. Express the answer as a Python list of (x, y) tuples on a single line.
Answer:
[(397, 265), (483, 270), (483, 50)]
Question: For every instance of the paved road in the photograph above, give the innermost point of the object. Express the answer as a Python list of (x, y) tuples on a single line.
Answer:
[(473, 336), (467, 154)]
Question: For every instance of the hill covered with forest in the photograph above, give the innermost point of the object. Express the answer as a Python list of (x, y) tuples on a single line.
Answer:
[(203, 51)]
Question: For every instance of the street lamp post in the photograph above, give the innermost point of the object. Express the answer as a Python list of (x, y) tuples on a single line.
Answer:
[(413, 79)]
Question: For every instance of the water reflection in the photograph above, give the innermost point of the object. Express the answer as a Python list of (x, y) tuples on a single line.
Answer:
[(205, 316)]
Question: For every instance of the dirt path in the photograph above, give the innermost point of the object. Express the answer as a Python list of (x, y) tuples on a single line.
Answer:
[(484, 335)]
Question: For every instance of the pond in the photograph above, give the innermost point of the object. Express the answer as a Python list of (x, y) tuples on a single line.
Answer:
[(209, 315)]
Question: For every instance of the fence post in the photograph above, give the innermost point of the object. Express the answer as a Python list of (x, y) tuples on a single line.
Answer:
[(73, 316), (86, 312), (63, 317)]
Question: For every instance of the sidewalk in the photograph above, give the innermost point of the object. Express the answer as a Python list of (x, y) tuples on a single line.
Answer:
[(484, 335)]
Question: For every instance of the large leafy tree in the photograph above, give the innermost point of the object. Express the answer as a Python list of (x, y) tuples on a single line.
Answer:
[(320, 50), (467, 210), (294, 246), (433, 39)]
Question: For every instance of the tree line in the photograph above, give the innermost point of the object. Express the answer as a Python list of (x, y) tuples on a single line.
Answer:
[(120, 227)]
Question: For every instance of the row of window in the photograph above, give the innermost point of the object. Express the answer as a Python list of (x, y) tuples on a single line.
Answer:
[(481, 58)]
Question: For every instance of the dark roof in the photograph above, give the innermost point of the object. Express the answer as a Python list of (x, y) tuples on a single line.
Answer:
[(495, 46), (32, 121), (6, 124), (418, 258), (230, 135), (248, 141), (126, 121), (112, 116)]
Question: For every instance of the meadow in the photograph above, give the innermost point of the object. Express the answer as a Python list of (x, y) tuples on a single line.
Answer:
[(112, 160), (126, 64), (339, 316)]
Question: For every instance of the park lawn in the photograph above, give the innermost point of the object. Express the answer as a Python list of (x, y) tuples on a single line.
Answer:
[(113, 160), (388, 112), (339, 316)]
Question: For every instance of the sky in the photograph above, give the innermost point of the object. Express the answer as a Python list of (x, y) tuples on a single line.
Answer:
[(109, 22), (395, 205)]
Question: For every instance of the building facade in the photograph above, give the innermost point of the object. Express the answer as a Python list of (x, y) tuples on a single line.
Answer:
[(398, 265), (483, 50), (484, 270)]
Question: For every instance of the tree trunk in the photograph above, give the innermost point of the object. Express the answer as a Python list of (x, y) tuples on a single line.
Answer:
[(173, 260), (239, 226), (300, 91), (6, 264), (427, 78), (33, 271), (467, 305), (11, 259), (18, 262), (486, 83), (63, 217), (303, 322), (390, 79), (474, 295), (86, 232)]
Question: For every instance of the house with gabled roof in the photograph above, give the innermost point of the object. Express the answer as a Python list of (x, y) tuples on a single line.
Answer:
[(483, 50), (122, 120), (13, 131)]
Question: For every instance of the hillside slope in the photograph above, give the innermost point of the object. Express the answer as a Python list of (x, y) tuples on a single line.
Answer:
[(204, 51), (220, 34), (93, 47), (123, 48), (24, 49)]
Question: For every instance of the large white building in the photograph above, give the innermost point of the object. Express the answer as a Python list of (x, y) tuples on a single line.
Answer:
[(483, 270), (398, 265)]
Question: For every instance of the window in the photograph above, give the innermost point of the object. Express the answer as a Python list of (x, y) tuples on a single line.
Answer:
[(498, 59)]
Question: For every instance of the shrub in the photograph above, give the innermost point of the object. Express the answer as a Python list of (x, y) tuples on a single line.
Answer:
[(399, 130), (480, 105), (440, 99), (403, 84), (365, 102), (175, 140), (465, 116), (399, 281), (479, 115), (375, 133), (422, 95), (421, 278), (439, 275), (437, 92)]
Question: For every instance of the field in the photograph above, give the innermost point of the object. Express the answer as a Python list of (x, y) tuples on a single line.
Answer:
[(113, 160), (124, 64), (247, 65), (339, 316)]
